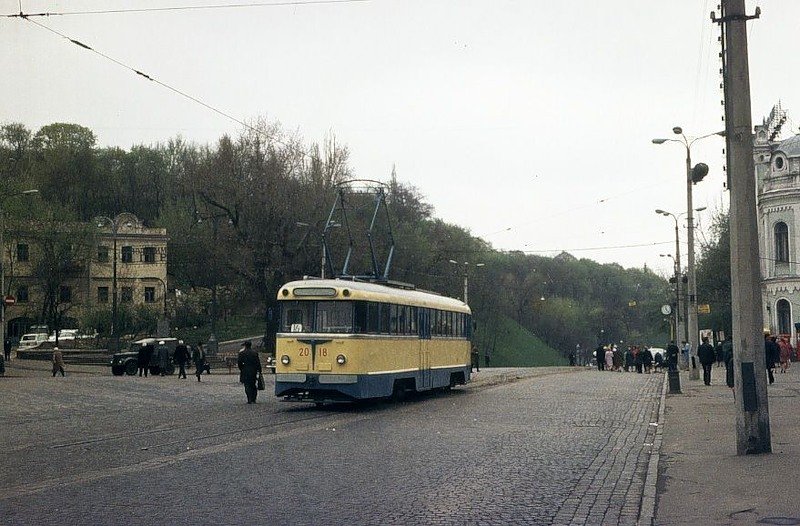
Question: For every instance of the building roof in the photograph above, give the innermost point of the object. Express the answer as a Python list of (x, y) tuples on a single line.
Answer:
[(790, 146)]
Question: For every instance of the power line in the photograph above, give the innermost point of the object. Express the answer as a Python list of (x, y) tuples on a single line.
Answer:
[(172, 88), (183, 8)]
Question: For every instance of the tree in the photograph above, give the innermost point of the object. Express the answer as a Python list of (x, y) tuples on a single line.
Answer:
[(714, 276)]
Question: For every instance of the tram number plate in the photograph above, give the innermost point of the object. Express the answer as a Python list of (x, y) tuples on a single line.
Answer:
[(306, 351)]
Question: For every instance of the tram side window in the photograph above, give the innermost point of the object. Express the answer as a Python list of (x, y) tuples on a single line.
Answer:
[(458, 324), (373, 320), (412, 319), (385, 315), (334, 316), (296, 316), (360, 316), (393, 319)]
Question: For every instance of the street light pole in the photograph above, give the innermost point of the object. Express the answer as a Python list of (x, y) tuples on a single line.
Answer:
[(691, 179), (680, 330), (466, 277), (3, 262), (677, 272)]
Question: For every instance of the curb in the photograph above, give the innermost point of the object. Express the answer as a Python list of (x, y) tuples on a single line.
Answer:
[(647, 511), (505, 378)]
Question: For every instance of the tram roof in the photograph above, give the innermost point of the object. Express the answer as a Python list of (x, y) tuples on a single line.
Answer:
[(362, 290)]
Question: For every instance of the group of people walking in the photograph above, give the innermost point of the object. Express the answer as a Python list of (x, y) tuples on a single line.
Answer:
[(635, 358), (181, 357)]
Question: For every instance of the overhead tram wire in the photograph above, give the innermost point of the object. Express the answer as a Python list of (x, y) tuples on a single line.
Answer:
[(572, 209), (173, 89), (184, 8)]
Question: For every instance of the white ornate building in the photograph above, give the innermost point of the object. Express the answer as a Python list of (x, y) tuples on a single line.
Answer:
[(777, 164)]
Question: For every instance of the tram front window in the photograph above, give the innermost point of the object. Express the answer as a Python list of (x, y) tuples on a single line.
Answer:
[(296, 316), (334, 316)]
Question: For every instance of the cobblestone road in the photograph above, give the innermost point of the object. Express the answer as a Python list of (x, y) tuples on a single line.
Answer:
[(568, 448)]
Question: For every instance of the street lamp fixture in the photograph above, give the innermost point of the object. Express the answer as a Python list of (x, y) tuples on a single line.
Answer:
[(3, 259), (693, 176), (466, 276)]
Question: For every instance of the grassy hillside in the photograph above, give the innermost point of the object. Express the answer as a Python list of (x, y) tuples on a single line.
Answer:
[(513, 346)]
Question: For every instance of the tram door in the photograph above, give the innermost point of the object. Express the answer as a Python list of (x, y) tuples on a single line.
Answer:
[(424, 348)]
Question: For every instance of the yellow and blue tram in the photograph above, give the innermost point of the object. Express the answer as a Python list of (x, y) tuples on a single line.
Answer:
[(346, 340)]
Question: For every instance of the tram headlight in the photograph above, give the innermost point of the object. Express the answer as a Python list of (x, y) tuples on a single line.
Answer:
[(341, 359), (285, 359)]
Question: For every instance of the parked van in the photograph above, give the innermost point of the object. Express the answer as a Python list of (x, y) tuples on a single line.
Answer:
[(31, 340)]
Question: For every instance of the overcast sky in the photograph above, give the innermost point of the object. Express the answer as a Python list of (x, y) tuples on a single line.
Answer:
[(528, 122)]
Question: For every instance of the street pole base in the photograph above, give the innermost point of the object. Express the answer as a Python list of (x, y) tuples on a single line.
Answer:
[(674, 379)]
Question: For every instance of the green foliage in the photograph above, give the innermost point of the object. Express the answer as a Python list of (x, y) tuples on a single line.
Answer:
[(714, 277)]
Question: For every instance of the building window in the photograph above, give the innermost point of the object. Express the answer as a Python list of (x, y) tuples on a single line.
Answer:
[(22, 294), (127, 254), (149, 254), (781, 242), (65, 294), (127, 295), (22, 252), (102, 254), (102, 294), (149, 294), (784, 317)]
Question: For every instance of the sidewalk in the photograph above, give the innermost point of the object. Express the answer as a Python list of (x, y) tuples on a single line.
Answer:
[(702, 480)]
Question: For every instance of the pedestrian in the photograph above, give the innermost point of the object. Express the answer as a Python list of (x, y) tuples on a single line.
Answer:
[(706, 355), (647, 359), (249, 370), (199, 359), (181, 358), (686, 350), (7, 344), (727, 357), (658, 362), (772, 355), (672, 356), (785, 354), (638, 359), (609, 356), (163, 357), (619, 358), (629, 359), (600, 357), (719, 354), (58, 362), (571, 358), (143, 358), (475, 358)]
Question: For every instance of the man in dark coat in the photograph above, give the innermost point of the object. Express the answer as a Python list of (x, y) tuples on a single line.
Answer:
[(199, 359), (772, 353), (706, 355), (727, 357), (143, 358), (163, 357), (672, 356), (181, 358), (600, 354), (249, 369)]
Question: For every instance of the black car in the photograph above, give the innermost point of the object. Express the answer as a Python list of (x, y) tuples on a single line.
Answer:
[(127, 362)]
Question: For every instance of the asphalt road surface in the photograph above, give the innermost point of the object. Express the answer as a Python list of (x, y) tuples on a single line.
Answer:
[(569, 447)]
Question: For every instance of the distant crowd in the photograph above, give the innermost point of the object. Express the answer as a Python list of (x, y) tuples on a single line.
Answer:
[(636, 358)]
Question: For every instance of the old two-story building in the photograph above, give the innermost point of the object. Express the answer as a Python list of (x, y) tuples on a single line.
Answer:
[(119, 250)]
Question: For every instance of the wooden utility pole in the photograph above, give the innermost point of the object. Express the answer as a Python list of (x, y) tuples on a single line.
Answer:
[(752, 416)]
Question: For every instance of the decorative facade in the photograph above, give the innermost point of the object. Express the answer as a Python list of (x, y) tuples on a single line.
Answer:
[(777, 169)]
